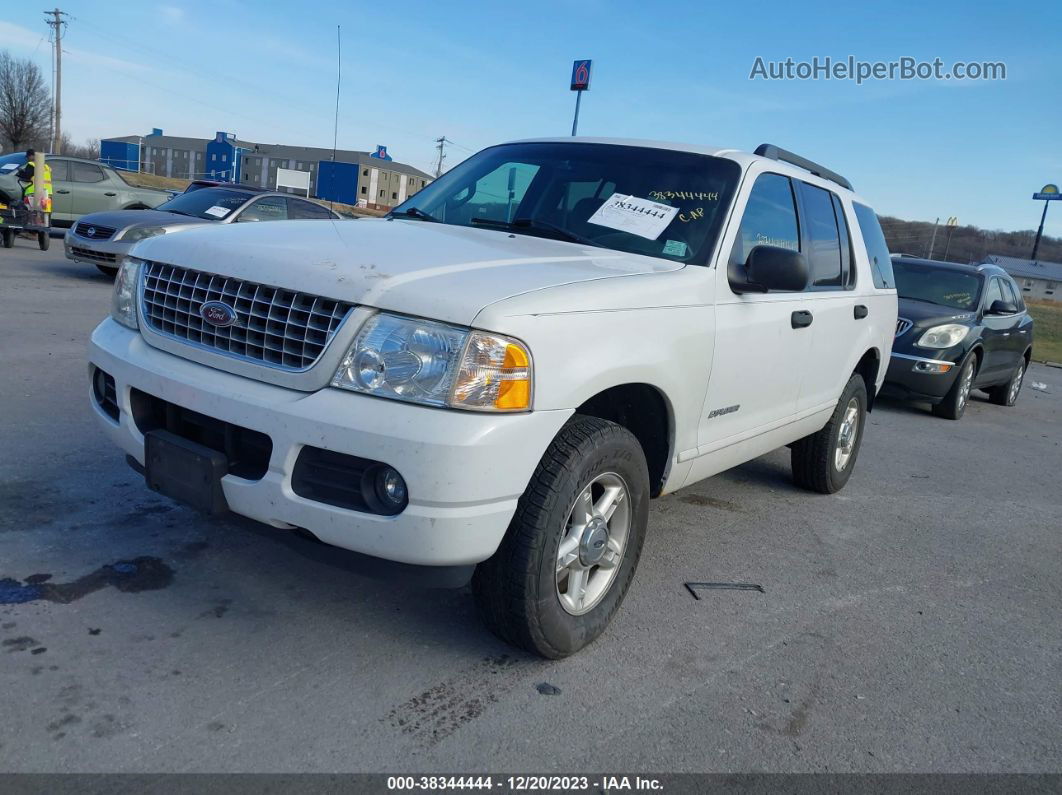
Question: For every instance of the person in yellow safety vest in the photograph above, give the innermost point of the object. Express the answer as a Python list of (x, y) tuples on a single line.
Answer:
[(25, 174)]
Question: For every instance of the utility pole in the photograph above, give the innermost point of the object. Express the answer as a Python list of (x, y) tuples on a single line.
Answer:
[(442, 156), (932, 240), (57, 23)]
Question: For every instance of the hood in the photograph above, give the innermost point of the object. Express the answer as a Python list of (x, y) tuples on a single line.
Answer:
[(433, 270), (925, 314), (123, 219)]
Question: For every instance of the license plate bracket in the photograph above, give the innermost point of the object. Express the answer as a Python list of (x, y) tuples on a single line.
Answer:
[(185, 471)]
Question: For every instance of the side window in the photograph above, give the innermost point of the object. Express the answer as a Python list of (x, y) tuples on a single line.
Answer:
[(84, 172), (994, 293), (824, 245), (770, 218), (60, 170), (298, 209), (1010, 293), (877, 248), (848, 274), (271, 208)]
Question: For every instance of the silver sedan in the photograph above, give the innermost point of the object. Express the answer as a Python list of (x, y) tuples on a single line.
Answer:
[(103, 239)]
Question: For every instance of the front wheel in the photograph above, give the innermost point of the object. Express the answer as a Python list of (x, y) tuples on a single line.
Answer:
[(107, 271), (953, 406), (571, 549), (8, 237), (44, 240), (824, 461), (1007, 394)]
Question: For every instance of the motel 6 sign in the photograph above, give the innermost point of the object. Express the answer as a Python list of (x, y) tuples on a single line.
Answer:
[(581, 75)]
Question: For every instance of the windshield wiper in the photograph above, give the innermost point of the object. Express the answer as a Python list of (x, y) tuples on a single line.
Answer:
[(556, 232), (416, 212), (181, 212)]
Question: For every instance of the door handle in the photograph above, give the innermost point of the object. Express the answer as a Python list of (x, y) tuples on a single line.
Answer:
[(801, 319), (62, 191), (110, 193), (860, 312)]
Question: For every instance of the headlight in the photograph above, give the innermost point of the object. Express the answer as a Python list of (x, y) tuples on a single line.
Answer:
[(946, 336), (422, 361), (142, 232), (123, 301)]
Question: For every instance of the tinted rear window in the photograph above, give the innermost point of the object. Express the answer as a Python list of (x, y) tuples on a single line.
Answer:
[(877, 248)]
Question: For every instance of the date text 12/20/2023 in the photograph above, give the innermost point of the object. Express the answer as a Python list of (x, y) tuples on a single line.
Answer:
[(614, 783)]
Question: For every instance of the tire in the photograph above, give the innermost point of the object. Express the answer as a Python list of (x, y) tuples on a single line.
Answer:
[(107, 271), (820, 461), (522, 592), (1007, 394), (43, 240), (954, 404), (8, 237)]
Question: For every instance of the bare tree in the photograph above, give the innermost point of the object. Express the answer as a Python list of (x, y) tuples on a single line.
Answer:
[(89, 150), (25, 105)]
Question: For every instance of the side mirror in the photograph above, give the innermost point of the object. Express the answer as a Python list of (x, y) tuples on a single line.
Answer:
[(770, 268), (1002, 308)]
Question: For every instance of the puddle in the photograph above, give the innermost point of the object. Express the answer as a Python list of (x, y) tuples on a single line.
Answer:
[(129, 576)]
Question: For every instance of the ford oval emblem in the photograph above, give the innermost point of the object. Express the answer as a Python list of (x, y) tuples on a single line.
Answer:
[(218, 313), (91, 231)]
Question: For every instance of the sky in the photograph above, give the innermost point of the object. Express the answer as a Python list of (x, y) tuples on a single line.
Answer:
[(480, 73)]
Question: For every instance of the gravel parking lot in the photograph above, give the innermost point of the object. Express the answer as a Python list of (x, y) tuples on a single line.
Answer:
[(909, 623)]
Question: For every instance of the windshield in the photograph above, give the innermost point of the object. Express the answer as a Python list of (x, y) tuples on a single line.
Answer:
[(658, 202), (210, 204), (943, 286)]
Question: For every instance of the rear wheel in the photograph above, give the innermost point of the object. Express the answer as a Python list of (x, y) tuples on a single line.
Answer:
[(570, 553), (953, 406), (824, 461), (107, 271), (1007, 394), (44, 240), (8, 237)]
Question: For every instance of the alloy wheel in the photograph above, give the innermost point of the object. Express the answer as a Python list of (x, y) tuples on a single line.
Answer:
[(595, 538), (847, 436), (1015, 385), (967, 383)]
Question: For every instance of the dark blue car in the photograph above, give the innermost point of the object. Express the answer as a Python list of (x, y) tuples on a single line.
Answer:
[(960, 328)]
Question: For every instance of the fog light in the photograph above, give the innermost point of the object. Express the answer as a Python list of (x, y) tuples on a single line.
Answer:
[(387, 492), (932, 367)]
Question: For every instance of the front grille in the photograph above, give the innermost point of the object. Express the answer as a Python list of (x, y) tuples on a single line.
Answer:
[(902, 324), (95, 256), (277, 327), (246, 451), (94, 231)]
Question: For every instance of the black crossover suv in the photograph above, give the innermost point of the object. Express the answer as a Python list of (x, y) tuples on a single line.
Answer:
[(960, 327)]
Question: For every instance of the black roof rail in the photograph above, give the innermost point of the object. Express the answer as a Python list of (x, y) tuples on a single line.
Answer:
[(777, 153)]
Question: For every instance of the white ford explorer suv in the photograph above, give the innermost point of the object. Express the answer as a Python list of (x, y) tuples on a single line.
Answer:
[(500, 374)]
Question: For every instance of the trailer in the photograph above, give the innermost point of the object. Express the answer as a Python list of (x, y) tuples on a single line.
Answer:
[(19, 217)]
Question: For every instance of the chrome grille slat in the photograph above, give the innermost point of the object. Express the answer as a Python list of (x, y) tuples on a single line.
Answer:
[(902, 324), (99, 232), (277, 327)]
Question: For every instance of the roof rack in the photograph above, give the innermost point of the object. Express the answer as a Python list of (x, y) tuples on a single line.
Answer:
[(777, 153)]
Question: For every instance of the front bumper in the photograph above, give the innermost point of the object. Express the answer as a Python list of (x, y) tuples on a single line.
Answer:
[(902, 380), (465, 471), (108, 253)]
